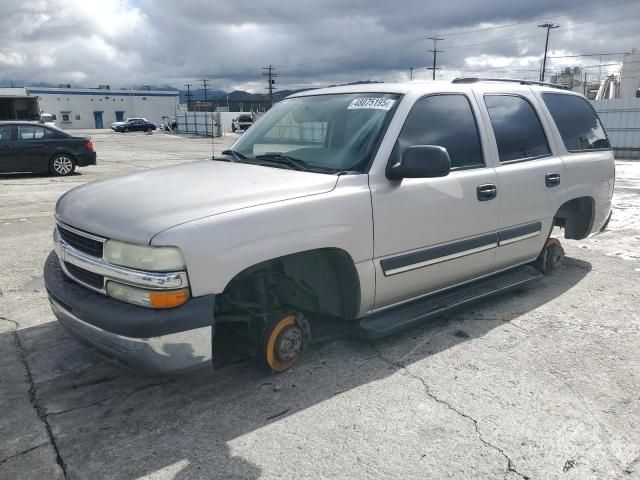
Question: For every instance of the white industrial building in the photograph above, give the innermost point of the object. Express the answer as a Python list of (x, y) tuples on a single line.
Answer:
[(99, 107), (630, 74)]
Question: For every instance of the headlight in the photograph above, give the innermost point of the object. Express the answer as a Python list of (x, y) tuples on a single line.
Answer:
[(144, 257), (147, 298)]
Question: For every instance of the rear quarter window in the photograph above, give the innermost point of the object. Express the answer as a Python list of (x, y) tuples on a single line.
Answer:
[(577, 122)]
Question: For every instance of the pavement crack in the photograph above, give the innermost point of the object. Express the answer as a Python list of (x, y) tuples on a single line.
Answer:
[(12, 322), (34, 401), (510, 466), (92, 404), (15, 455)]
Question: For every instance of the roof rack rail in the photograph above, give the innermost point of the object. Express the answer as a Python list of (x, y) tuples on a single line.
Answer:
[(511, 80)]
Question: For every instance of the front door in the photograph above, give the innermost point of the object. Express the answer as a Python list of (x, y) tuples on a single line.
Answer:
[(7, 153), (531, 179), (433, 233), (97, 116)]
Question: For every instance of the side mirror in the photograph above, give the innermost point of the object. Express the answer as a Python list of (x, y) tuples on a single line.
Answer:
[(421, 161)]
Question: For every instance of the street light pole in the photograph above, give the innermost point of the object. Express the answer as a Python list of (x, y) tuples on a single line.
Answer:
[(548, 26)]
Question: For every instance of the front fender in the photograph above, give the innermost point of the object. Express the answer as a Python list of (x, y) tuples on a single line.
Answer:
[(217, 248)]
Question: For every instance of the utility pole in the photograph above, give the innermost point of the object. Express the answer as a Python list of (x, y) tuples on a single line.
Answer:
[(435, 51), (410, 73), (204, 84), (188, 85), (269, 72), (548, 26)]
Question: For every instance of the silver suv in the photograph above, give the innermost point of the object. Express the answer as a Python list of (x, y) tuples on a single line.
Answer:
[(375, 204)]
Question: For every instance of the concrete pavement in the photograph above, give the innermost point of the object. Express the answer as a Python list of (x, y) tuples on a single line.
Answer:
[(541, 383)]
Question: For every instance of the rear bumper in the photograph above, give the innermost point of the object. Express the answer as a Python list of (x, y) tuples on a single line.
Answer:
[(86, 159), (158, 341)]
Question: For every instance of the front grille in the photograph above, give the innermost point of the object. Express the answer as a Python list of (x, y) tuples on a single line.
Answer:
[(79, 242), (85, 276)]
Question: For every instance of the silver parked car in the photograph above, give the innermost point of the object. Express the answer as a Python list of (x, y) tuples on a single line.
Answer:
[(378, 204), (241, 123)]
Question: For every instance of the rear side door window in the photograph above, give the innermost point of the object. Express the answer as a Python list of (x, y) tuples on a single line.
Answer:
[(445, 120), (29, 133), (5, 133), (517, 128), (577, 122)]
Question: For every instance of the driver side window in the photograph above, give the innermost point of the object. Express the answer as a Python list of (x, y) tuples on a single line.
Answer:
[(447, 121)]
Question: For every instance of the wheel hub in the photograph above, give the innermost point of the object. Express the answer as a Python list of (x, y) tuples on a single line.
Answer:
[(288, 344), (62, 165)]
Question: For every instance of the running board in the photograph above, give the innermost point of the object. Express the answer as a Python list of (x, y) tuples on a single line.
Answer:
[(407, 315)]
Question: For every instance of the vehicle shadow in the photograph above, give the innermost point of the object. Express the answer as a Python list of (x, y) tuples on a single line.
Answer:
[(110, 422), (29, 175)]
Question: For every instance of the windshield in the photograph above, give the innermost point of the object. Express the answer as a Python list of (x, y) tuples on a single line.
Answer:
[(327, 132)]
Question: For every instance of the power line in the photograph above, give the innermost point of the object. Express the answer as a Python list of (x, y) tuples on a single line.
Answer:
[(378, 49), (566, 12), (565, 30), (589, 55)]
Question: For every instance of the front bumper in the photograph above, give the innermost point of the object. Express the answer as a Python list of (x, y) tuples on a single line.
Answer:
[(158, 341)]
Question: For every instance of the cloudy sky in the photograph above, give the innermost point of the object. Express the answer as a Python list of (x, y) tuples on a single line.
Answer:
[(311, 43)]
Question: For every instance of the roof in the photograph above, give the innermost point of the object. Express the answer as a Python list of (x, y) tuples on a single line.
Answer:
[(22, 122), (12, 92), (101, 91), (422, 87)]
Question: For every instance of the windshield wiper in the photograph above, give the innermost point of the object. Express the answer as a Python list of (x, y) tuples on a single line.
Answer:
[(281, 159), (237, 156)]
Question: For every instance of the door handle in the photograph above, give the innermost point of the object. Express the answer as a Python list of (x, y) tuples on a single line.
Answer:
[(486, 192), (552, 180)]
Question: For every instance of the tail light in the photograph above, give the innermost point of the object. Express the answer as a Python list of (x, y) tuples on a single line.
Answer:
[(89, 144)]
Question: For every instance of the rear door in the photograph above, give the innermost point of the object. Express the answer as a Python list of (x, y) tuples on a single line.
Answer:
[(530, 173), (33, 148), (7, 151)]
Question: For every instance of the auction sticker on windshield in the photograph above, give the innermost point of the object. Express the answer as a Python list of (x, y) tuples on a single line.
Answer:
[(371, 103)]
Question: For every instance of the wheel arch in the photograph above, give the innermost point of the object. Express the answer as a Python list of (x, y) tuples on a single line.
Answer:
[(576, 216), (66, 152), (330, 273)]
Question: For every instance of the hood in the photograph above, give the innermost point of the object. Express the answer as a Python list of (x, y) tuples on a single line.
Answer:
[(136, 207)]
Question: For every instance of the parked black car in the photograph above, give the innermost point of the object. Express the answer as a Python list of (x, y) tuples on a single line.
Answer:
[(133, 125), (36, 147)]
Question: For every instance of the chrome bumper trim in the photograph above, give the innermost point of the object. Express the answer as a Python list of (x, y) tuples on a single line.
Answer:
[(81, 233), (137, 278), (168, 353)]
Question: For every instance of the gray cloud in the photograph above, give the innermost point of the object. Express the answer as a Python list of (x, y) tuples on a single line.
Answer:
[(310, 42)]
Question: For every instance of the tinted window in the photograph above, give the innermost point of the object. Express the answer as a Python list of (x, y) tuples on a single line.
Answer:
[(517, 128), (51, 133), (5, 133), (28, 132), (447, 121), (577, 122)]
